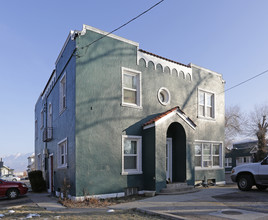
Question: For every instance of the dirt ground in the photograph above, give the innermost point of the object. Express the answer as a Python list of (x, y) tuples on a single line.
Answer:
[(99, 203), (88, 209), (39, 213)]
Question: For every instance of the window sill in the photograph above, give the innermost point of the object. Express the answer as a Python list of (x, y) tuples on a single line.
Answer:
[(206, 118), (131, 173), (131, 105), (209, 168), (63, 167)]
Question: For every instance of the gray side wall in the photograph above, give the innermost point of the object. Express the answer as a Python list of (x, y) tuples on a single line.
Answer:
[(63, 123), (211, 129)]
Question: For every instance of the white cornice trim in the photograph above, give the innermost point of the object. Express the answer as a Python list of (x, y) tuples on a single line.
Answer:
[(63, 48), (205, 69), (186, 120), (182, 116), (96, 30), (181, 69)]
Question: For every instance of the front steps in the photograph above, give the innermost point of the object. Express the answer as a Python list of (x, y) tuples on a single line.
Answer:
[(177, 188)]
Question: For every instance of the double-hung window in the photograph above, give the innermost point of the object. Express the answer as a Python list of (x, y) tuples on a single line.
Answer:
[(62, 153), (228, 162), (62, 93), (131, 155), (131, 87), (242, 160), (49, 122), (42, 119), (208, 154), (36, 129), (39, 162), (206, 106)]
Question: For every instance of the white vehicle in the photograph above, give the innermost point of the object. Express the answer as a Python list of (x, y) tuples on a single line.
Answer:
[(10, 177), (250, 174)]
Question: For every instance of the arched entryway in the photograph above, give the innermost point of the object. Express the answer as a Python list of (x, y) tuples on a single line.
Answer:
[(176, 153)]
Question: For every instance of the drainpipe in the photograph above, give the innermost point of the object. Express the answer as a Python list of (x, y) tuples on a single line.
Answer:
[(45, 151)]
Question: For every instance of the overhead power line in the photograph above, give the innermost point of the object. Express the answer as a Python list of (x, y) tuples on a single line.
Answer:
[(245, 81), (123, 25), (224, 91)]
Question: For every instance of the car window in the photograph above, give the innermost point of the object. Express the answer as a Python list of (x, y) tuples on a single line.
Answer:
[(265, 161)]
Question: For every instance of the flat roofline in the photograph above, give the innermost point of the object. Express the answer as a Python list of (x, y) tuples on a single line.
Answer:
[(96, 30), (86, 27), (205, 69)]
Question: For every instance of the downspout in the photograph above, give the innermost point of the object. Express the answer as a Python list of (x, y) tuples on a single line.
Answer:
[(45, 151)]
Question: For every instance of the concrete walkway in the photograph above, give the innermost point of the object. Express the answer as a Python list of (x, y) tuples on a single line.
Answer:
[(208, 203), (46, 201), (203, 204)]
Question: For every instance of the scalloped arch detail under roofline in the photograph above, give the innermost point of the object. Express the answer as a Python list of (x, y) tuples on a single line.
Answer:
[(180, 68)]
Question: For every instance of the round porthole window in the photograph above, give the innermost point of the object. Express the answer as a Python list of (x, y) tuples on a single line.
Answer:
[(163, 96)]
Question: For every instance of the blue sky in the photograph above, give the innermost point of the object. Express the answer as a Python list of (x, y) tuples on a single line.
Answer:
[(229, 37)]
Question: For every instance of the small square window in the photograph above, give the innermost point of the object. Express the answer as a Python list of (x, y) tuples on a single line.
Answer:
[(206, 106), (62, 153), (228, 162), (62, 103), (131, 155), (131, 87), (42, 119)]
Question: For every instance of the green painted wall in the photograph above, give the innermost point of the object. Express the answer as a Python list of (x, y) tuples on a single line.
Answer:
[(95, 118), (101, 120)]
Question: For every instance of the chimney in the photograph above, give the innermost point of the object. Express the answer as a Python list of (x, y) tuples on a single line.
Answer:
[(1, 163)]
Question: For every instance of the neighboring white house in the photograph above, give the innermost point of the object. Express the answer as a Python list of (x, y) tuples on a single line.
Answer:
[(4, 169), (31, 163)]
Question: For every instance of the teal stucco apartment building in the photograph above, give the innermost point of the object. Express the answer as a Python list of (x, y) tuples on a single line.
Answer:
[(114, 117)]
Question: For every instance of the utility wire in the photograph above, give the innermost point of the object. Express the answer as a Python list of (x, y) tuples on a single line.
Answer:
[(88, 45), (245, 81), (224, 91)]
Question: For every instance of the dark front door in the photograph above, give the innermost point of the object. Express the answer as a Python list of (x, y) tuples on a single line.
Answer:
[(177, 133)]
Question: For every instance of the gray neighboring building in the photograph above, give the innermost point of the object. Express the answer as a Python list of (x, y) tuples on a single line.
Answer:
[(114, 117), (242, 152), (31, 163)]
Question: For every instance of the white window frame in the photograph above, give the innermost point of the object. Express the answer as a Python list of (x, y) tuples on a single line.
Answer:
[(163, 96), (138, 170), (228, 161), (62, 99), (50, 118), (205, 105), (243, 160), (63, 143), (36, 129), (211, 143), (39, 162), (131, 72), (42, 118)]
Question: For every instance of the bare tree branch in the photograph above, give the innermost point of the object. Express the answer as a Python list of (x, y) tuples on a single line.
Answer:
[(234, 124), (257, 125)]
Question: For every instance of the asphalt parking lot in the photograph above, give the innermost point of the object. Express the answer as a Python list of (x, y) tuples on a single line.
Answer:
[(9, 203)]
